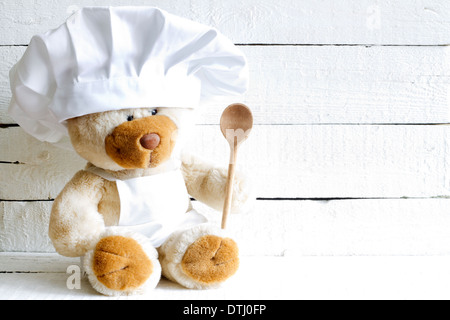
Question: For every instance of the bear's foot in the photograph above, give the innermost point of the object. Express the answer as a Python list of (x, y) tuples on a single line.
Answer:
[(199, 258), (122, 265), (211, 259)]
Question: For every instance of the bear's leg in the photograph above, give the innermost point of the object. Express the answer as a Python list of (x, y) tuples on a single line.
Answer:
[(201, 257), (122, 263)]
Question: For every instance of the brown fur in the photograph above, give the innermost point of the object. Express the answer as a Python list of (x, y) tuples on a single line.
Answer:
[(70, 212), (109, 205), (124, 147), (121, 264), (211, 259)]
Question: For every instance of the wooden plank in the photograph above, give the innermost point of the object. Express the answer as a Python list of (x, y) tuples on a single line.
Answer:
[(288, 228), (338, 85), (35, 262), (24, 227), (342, 85), (321, 278), (421, 22), (339, 161), (8, 57), (282, 161), (342, 228), (42, 172)]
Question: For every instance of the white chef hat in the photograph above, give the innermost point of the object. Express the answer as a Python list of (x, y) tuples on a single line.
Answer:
[(106, 58)]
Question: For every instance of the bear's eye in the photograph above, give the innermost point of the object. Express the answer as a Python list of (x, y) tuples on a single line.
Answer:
[(130, 118), (154, 112)]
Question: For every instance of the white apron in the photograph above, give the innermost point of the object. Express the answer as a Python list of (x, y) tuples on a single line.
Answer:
[(154, 206)]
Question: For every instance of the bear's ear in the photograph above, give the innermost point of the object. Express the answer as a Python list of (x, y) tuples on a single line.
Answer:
[(87, 135), (85, 130), (93, 128), (74, 127)]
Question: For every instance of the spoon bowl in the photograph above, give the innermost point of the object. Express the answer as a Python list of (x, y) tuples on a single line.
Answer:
[(236, 122)]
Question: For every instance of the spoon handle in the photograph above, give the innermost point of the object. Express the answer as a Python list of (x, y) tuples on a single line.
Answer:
[(229, 188)]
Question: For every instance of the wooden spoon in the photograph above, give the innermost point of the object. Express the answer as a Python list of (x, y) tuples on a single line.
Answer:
[(236, 124)]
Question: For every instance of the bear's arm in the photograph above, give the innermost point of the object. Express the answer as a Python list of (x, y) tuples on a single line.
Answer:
[(207, 183), (75, 223)]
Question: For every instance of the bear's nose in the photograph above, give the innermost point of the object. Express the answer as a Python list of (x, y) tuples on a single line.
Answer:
[(150, 141)]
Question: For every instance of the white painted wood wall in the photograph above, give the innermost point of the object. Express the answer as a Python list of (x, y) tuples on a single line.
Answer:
[(351, 150)]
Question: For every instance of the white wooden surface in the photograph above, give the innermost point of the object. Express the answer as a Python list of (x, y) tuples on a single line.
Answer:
[(350, 155), (404, 22), (288, 228), (309, 278), (284, 161)]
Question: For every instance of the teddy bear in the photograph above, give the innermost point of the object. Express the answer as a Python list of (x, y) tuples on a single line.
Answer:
[(119, 148), (123, 83)]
